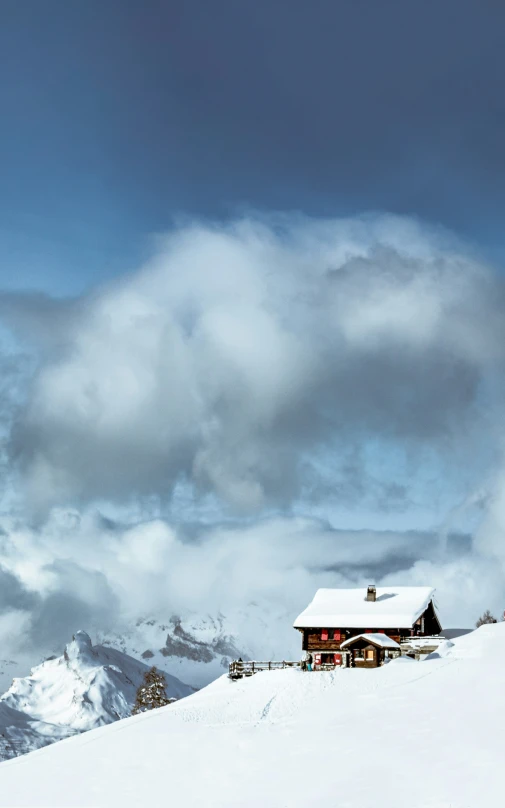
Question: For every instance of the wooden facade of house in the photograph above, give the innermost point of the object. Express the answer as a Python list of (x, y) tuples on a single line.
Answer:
[(379, 620)]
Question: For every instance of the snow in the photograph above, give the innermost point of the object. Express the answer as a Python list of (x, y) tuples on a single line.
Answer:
[(85, 688), (418, 734), (394, 607), (377, 639)]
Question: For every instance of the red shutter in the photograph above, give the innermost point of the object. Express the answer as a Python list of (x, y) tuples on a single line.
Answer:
[(368, 631), (317, 659), (324, 634), (336, 635), (337, 658), (381, 631)]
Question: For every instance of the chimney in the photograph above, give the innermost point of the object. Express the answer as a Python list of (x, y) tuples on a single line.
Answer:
[(371, 593)]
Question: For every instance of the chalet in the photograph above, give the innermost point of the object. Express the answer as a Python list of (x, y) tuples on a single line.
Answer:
[(363, 627)]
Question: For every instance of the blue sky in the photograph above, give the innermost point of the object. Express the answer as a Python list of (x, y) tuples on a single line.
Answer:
[(119, 117)]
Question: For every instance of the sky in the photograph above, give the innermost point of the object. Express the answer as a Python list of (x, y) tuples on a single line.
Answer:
[(118, 118), (251, 306)]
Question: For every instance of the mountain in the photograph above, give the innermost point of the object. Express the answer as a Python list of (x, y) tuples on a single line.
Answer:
[(20, 733), (196, 649), (199, 648), (418, 734), (87, 687)]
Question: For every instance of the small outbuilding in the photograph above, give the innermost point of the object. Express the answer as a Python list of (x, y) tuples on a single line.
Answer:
[(370, 650)]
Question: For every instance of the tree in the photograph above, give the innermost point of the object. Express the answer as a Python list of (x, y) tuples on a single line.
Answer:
[(152, 692), (487, 617)]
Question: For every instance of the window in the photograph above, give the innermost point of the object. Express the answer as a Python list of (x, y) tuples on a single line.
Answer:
[(324, 634)]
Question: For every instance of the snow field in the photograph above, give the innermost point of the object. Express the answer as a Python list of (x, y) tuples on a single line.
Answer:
[(408, 735)]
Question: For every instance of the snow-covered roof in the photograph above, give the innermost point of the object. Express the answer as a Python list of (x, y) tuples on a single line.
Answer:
[(394, 607), (381, 640)]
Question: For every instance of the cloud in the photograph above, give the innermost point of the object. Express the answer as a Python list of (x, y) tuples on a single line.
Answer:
[(110, 575), (227, 403), (79, 596), (243, 355), (13, 596)]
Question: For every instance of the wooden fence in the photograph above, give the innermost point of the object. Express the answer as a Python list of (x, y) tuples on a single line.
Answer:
[(239, 669)]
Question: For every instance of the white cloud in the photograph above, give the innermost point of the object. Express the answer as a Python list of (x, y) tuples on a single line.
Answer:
[(240, 352), (77, 573), (264, 364)]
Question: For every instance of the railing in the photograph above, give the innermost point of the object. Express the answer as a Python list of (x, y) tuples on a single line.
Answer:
[(238, 668), (428, 639)]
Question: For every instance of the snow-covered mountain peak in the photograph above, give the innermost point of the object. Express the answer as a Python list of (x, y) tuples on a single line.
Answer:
[(80, 650), (87, 687)]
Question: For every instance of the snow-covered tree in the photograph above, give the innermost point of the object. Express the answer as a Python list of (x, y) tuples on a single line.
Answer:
[(487, 617), (152, 692)]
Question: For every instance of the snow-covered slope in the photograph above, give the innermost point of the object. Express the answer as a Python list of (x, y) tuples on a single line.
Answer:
[(85, 688), (408, 735)]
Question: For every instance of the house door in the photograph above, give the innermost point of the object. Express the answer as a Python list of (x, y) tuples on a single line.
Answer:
[(370, 657)]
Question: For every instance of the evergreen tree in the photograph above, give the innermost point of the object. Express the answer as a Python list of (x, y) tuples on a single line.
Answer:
[(152, 692), (487, 617)]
